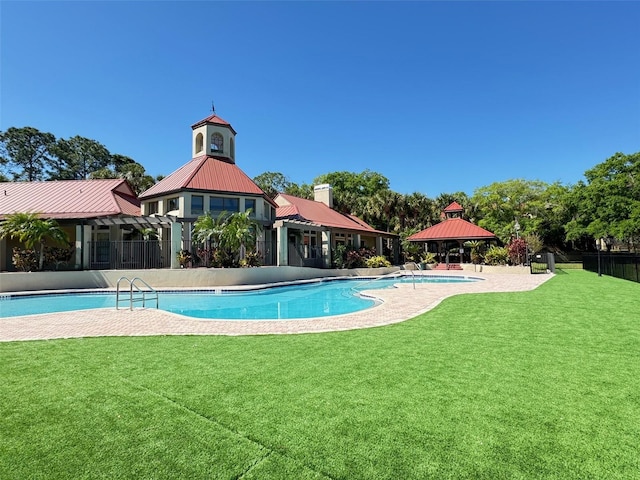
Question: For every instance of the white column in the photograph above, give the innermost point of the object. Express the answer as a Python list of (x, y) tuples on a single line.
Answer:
[(176, 243), (83, 251), (283, 246), (326, 248)]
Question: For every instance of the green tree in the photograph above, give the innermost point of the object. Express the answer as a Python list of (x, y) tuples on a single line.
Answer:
[(501, 204), (272, 183), (349, 187), (607, 205), (26, 152), (208, 230), (420, 211), (303, 190), (32, 230), (78, 158), (240, 233)]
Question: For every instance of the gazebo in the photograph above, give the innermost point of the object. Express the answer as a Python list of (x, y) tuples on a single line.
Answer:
[(447, 238)]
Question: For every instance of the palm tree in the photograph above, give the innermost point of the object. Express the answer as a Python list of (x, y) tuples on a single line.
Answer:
[(208, 230), (240, 233), (32, 230), (476, 247)]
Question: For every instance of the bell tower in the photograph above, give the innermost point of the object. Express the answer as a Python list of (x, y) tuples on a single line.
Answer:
[(215, 137)]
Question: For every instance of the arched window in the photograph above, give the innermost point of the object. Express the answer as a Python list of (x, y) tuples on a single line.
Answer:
[(232, 148), (216, 143), (199, 142)]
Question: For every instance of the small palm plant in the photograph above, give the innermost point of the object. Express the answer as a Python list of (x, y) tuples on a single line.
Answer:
[(476, 247), (32, 230), (208, 231), (241, 233)]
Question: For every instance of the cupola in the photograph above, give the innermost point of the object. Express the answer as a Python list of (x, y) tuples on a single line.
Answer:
[(214, 136)]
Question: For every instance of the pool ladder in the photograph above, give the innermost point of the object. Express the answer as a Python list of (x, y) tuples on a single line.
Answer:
[(136, 293)]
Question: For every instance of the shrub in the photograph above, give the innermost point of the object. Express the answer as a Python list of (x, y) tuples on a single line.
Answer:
[(346, 256), (428, 257), (534, 242), (25, 260), (377, 261), (496, 255), (185, 258), (251, 259), (517, 251)]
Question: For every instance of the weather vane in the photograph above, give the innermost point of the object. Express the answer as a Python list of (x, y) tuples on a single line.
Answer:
[(213, 107)]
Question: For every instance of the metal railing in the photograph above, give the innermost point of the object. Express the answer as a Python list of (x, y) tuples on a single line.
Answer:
[(619, 265), (129, 254), (136, 294)]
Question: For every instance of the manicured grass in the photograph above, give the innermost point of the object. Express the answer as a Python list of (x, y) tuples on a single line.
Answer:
[(569, 266), (541, 384)]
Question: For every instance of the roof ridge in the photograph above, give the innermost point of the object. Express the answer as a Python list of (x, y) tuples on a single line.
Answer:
[(203, 158)]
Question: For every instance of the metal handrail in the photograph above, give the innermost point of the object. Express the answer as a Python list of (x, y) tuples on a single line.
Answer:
[(132, 285), (392, 274)]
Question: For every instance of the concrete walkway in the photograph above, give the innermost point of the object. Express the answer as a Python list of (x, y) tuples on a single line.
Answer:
[(399, 304)]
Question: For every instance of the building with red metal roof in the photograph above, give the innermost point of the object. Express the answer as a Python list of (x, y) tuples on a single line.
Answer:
[(211, 182), (69, 199), (309, 229), (447, 238), (89, 211)]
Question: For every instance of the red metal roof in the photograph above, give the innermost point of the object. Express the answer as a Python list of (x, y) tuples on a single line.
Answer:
[(452, 229), (453, 207), (206, 173), (72, 199), (214, 119), (320, 214)]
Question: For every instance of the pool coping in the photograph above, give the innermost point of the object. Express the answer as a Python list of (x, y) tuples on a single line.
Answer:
[(398, 304)]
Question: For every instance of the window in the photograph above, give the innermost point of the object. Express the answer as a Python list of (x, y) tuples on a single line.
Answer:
[(217, 145), (199, 143), (223, 204), (172, 204), (250, 203), (232, 148), (197, 204), (152, 207)]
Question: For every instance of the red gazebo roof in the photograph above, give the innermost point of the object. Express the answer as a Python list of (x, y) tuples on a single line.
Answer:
[(453, 207), (452, 229)]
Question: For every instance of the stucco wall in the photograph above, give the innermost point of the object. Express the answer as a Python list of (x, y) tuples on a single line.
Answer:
[(191, 277)]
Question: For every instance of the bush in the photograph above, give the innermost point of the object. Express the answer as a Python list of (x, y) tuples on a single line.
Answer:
[(25, 260), (252, 259), (377, 261), (517, 251), (428, 257), (346, 256), (496, 255)]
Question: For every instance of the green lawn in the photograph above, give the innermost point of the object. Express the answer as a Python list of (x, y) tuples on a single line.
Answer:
[(541, 384)]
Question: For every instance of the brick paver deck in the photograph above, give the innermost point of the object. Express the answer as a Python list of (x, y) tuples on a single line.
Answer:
[(399, 304)]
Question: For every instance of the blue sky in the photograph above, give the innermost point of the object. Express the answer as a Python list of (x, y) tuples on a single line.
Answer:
[(436, 96)]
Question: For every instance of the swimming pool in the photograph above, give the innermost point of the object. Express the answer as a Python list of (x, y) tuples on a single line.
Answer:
[(317, 299)]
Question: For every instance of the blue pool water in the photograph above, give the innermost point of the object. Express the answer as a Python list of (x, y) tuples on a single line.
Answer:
[(318, 299)]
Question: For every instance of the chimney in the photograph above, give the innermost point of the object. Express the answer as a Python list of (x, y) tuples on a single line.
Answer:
[(323, 193)]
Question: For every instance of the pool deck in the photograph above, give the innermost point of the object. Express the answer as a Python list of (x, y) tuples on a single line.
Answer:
[(399, 304)]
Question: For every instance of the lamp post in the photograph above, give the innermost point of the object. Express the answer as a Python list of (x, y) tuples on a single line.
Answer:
[(598, 248), (516, 226)]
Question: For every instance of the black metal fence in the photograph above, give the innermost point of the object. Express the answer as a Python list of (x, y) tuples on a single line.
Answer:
[(619, 265), (129, 254), (543, 262), (201, 254), (305, 256)]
